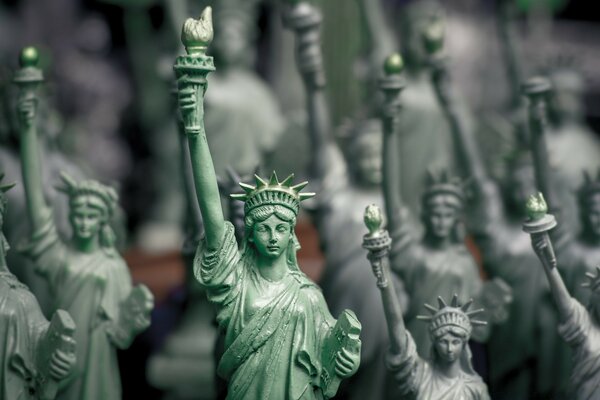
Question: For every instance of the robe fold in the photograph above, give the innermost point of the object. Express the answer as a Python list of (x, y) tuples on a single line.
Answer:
[(91, 288), (583, 335)]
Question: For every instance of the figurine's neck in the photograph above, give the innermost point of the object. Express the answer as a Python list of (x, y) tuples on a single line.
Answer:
[(86, 245), (3, 264), (449, 370), (272, 269), (437, 242)]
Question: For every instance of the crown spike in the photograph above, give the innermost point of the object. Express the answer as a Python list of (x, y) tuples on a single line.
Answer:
[(424, 317), (586, 284), (307, 195), (441, 302), (475, 312), (247, 188), (430, 308), (475, 322), (274, 180), (454, 302), (299, 186), (238, 196), (590, 275), (465, 307), (7, 187), (288, 181), (260, 182)]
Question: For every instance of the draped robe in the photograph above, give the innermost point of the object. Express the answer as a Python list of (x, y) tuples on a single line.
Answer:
[(582, 333), (22, 325), (274, 331), (90, 287)]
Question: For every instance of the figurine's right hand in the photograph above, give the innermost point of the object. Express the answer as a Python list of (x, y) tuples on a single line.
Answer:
[(26, 109), (62, 362), (187, 99), (540, 243)]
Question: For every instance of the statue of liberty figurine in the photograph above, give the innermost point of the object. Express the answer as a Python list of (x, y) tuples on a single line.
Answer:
[(281, 342), (579, 327), (439, 264), (448, 372), (85, 273)]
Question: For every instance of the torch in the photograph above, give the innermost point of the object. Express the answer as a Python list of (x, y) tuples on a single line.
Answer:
[(191, 70), (539, 222), (27, 79)]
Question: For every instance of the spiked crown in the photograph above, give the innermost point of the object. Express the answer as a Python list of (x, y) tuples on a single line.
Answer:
[(4, 187), (453, 315), (589, 187), (273, 193), (441, 182), (594, 280)]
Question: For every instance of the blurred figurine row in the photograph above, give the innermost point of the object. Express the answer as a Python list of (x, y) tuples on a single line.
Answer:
[(459, 249)]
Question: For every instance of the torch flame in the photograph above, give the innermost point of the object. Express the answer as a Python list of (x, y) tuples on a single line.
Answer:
[(373, 218), (536, 206), (196, 35)]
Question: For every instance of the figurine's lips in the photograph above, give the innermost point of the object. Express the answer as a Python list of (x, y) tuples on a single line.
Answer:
[(272, 248)]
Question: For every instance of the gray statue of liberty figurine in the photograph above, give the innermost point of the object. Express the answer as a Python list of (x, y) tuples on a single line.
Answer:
[(35, 356), (447, 373), (85, 273), (281, 341), (438, 264), (344, 182), (521, 364), (579, 326)]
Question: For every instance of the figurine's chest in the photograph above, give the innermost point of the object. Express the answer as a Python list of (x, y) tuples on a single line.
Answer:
[(85, 269), (261, 294)]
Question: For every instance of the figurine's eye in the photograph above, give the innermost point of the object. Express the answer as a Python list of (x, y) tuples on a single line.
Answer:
[(261, 228), (282, 228)]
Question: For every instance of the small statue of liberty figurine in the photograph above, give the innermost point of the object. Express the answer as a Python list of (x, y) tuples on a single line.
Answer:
[(281, 342), (86, 275), (579, 327), (448, 373), (35, 356)]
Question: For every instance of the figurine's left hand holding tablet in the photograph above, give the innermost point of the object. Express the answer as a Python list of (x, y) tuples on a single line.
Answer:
[(347, 361)]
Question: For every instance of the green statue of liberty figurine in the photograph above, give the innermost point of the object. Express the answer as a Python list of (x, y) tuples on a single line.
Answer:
[(87, 276), (281, 342), (448, 372), (35, 356), (579, 327)]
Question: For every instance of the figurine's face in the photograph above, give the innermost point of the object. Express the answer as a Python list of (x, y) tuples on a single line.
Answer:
[(271, 237), (521, 185), (593, 215), (368, 162), (449, 347), (229, 45), (86, 219), (441, 219)]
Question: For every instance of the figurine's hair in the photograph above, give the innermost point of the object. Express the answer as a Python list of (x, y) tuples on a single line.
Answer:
[(103, 198)]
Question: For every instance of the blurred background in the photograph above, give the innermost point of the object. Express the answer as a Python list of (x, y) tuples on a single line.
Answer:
[(108, 104)]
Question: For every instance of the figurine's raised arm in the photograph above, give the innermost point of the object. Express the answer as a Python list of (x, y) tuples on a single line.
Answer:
[(378, 243), (305, 20), (465, 144), (538, 225), (191, 71), (27, 79), (391, 85)]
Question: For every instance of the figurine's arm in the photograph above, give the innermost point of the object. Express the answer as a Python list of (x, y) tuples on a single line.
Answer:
[(464, 140), (542, 245), (378, 243), (305, 20), (380, 37), (37, 208), (191, 71)]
